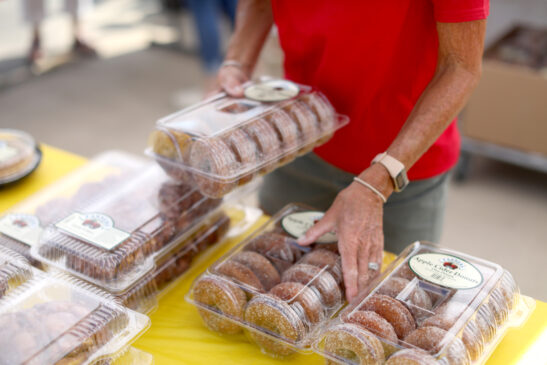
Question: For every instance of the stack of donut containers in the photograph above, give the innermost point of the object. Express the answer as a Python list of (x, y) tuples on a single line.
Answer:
[(430, 306)]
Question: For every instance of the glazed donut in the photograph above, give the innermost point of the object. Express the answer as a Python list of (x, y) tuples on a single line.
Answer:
[(287, 133), (219, 296), (417, 297), (269, 313), (261, 267), (245, 151), (212, 156), (324, 112), (317, 278), (431, 339), (265, 138), (393, 311), (276, 247), (305, 297), (323, 258), (350, 342), (241, 273), (306, 123), (411, 357)]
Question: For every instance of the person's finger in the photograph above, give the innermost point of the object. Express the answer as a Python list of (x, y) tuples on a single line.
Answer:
[(348, 252), (363, 259), (232, 81), (325, 225)]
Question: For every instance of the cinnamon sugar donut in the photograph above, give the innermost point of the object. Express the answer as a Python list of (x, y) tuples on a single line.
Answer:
[(240, 273), (303, 296), (275, 247), (323, 258), (411, 357), (509, 289), (261, 267), (266, 312), (306, 123), (351, 343), (212, 156), (287, 133), (324, 112), (173, 146), (245, 150), (393, 311), (375, 323), (431, 340), (317, 278), (265, 138), (405, 272), (486, 322), (498, 307), (417, 297), (219, 296)]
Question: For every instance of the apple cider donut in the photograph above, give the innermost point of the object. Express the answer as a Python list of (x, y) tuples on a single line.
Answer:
[(306, 124), (245, 150), (411, 357), (317, 278), (417, 297), (267, 142), (266, 312), (287, 133), (241, 273), (306, 298), (323, 258), (261, 267), (431, 340), (172, 147), (354, 344), (393, 311), (375, 323), (222, 296), (276, 247), (324, 112)]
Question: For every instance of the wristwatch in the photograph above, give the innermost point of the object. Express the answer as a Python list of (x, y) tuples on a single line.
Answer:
[(395, 168)]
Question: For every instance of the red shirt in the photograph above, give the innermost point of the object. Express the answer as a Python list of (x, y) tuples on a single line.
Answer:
[(372, 59)]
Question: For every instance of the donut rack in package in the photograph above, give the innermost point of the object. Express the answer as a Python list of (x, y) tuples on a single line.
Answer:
[(430, 306), (224, 142), (279, 293), (112, 241), (48, 320)]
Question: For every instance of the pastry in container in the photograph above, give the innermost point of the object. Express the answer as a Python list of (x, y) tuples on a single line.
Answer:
[(14, 270), (276, 291), (127, 356), (431, 306), (21, 226), (19, 155), (112, 241), (224, 142), (48, 320)]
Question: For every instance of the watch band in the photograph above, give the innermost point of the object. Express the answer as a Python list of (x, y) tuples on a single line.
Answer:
[(395, 168)]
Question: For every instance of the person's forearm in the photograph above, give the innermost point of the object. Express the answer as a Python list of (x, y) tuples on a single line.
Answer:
[(254, 20)]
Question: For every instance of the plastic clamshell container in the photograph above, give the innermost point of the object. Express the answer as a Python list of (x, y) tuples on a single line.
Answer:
[(21, 227), (276, 291), (19, 155), (432, 306), (14, 270), (112, 242), (128, 356), (48, 320), (225, 142)]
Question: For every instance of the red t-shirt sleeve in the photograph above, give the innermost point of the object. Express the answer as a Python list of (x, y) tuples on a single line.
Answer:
[(455, 11)]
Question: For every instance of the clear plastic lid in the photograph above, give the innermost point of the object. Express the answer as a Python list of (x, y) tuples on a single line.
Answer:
[(20, 228), (127, 356), (14, 270), (279, 292), (224, 142), (431, 306), (47, 320), (19, 155), (112, 241)]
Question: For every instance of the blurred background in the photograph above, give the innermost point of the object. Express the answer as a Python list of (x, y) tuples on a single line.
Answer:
[(88, 76)]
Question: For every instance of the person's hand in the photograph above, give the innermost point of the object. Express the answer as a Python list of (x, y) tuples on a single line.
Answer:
[(356, 217), (230, 78)]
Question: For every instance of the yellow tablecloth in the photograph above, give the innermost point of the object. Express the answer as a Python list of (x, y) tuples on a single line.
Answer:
[(177, 335)]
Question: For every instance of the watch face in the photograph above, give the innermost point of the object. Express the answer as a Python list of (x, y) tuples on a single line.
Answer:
[(401, 181)]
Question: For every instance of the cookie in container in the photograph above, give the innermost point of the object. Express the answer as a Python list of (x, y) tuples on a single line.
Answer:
[(21, 226), (19, 155), (47, 320), (224, 142), (112, 241), (431, 306), (276, 291)]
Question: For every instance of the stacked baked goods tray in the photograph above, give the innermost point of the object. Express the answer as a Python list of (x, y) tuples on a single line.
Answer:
[(21, 226), (19, 155), (225, 142), (49, 320), (14, 270), (114, 240), (275, 291), (430, 306)]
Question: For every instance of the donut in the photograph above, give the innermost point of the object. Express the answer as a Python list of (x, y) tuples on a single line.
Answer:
[(391, 310), (509, 289), (213, 157), (261, 267), (245, 151), (324, 112), (352, 344), (411, 357), (316, 278), (267, 142), (323, 258), (405, 272), (417, 297), (375, 323), (431, 340), (276, 247), (287, 133), (173, 146), (241, 273), (486, 322), (307, 299), (277, 318), (306, 123), (219, 296), (498, 307)]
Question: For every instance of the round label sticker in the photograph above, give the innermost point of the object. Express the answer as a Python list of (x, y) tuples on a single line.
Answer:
[(297, 224), (446, 270), (272, 90)]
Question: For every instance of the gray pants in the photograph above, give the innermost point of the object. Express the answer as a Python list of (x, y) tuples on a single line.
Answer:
[(414, 214)]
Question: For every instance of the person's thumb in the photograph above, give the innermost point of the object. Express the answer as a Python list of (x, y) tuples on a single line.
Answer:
[(325, 225)]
